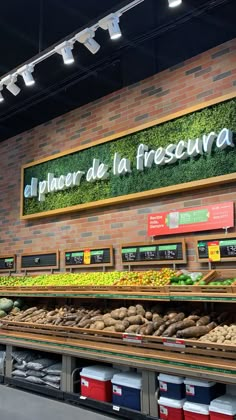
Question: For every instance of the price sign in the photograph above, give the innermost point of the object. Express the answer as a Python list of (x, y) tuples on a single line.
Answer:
[(129, 254), (148, 253), (167, 252), (9, 263), (87, 256), (97, 256), (202, 249), (214, 251), (228, 248)]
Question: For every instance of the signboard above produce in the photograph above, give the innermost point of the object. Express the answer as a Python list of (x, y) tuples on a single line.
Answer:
[(41, 260), (89, 257), (165, 158), (195, 219), (7, 263), (161, 252), (224, 246)]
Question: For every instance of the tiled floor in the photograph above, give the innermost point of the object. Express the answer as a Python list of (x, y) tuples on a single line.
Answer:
[(20, 405)]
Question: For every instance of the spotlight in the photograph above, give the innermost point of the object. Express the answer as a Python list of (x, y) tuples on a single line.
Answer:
[(174, 3), (65, 49), (86, 37), (9, 81), (111, 23), (26, 73), (1, 97)]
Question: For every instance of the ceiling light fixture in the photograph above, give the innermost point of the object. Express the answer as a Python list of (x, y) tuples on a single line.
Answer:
[(65, 49), (111, 23), (174, 3), (26, 73), (86, 37), (9, 81)]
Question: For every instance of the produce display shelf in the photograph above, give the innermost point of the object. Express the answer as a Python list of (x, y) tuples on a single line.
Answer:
[(122, 293), (207, 367), (107, 408), (39, 389)]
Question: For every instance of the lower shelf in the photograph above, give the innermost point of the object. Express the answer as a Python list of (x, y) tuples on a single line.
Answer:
[(38, 389)]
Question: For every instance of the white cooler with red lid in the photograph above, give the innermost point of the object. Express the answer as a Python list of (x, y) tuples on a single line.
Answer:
[(223, 408)]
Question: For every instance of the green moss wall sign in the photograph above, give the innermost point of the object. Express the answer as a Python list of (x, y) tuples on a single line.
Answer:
[(192, 151)]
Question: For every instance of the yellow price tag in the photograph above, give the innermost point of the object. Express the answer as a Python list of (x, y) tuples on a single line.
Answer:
[(87, 256), (214, 251)]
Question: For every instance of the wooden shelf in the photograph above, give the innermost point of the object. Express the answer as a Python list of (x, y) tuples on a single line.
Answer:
[(206, 367)]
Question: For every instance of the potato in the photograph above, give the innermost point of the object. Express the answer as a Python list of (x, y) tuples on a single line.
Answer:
[(97, 318), (111, 328), (135, 320), (115, 314), (149, 329), (156, 317), (109, 322), (84, 324), (123, 313), (125, 322), (132, 311), (132, 329), (140, 310), (119, 327), (148, 316), (99, 325), (158, 323)]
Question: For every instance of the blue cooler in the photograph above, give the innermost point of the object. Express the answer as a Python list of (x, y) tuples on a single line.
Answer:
[(171, 386), (126, 390), (200, 392)]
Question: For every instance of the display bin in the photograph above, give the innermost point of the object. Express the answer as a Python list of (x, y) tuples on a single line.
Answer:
[(194, 411), (223, 408), (126, 390), (201, 392), (170, 409), (96, 382), (171, 386)]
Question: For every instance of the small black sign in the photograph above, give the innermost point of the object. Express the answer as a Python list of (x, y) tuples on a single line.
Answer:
[(97, 256), (129, 254), (148, 253), (227, 248), (74, 258), (168, 252), (7, 263)]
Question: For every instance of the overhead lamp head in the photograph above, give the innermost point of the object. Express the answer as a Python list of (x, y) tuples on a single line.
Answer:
[(86, 37), (65, 49), (111, 23), (1, 97), (26, 72), (174, 3), (9, 81)]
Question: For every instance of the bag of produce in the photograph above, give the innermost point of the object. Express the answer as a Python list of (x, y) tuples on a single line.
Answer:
[(40, 364), (54, 369), (35, 380), (52, 384), (19, 373), (37, 373), (52, 378), (21, 366), (23, 356)]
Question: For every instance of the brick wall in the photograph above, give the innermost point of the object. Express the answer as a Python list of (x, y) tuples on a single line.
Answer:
[(204, 77)]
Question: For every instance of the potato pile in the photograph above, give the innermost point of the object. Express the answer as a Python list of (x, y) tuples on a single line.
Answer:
[(137, 319), (221, 335)]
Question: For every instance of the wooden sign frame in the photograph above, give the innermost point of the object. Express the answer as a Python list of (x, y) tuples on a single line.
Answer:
[(97, 248), (155, 243), (4, 270), (158, 192), (215, 237), (47, 267)]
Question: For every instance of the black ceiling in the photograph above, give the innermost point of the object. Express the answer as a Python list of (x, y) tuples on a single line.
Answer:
[(155, 37)]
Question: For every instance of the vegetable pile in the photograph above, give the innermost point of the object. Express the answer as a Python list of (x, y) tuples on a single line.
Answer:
[(221, 335), (136, 319), (9, 306), (186, 279)]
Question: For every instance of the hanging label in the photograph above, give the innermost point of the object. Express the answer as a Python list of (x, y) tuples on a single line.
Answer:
[(173, 343), (214, 251), (116, 408), (190, 390), (163, 386), (163, 410), (87, 256), (117, 390), (132, 338)]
